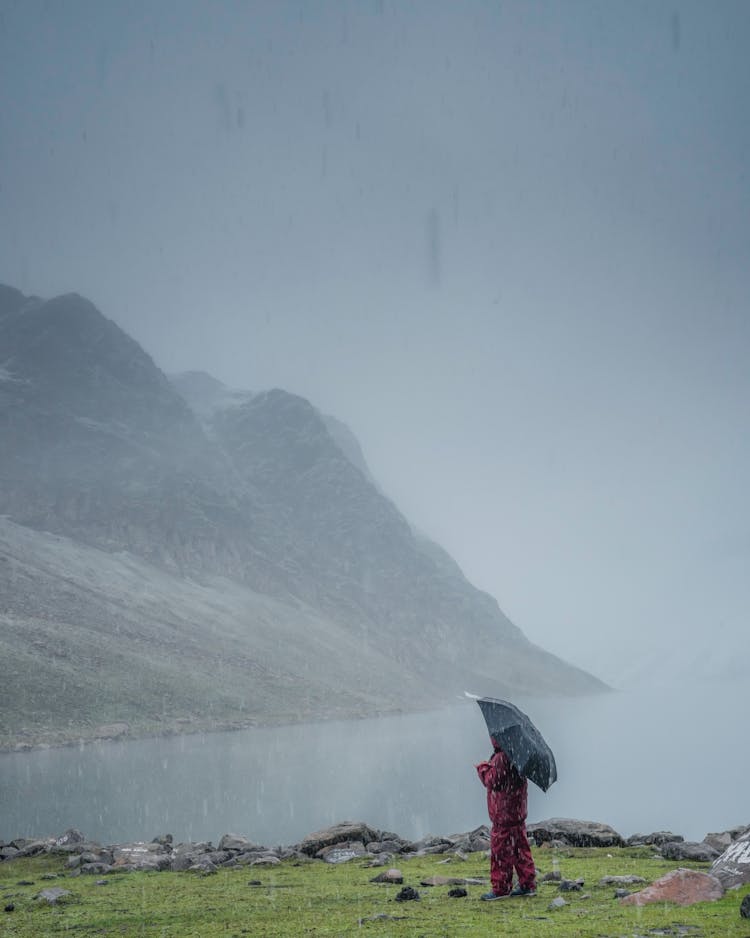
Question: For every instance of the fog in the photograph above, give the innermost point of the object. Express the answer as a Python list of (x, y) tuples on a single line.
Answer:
[(507, 243)]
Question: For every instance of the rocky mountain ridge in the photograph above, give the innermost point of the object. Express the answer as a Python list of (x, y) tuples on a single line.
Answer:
[(119, 485)]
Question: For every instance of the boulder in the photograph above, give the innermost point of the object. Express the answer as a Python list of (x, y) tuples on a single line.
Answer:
[(54, 895), (30, 848), (732, 868), (476, 841), (70, 837), (342, 852), (140, 856), (346, 831), (656, 838), (681, 886), (386, 846), (722, 840), (689, 850), (268, 859), (235, 842), (429, 844), (574, 833), (745, 907)]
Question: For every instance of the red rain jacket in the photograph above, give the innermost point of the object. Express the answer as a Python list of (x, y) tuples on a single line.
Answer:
[(507, 791)]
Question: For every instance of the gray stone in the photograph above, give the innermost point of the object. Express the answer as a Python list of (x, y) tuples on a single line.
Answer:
[(688, 850), (392, 876), (69, 837), (53, 895), (656, 839), (574, 833), (723, 839), (557, 903), (732, 868), (342, 852), (345, 832), (140, 856), (235, 842), (629, 880), (571, 885), (745, 907)]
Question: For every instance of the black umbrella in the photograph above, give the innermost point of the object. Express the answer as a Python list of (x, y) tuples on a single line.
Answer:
[(520, 740)]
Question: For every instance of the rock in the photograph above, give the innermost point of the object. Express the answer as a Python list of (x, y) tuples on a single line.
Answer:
[(407, 894), (54, 895), (621, 893), (475, 841), (557, 903), (342, 852), (443, 881), (235, 842), (140, 856), (575, 833), (346, 831), (681, 886), (166, 841), (458, 892), (732, 868), (203, 864), (688, 850), (552, 877), (70, 837), (722, 840), (266, 860), (656, 839), (429, 844), (571, 885), (630, 880), (386, 846), (745, 907), (9, 907), (389, 876), (95, 869), (30, 848)]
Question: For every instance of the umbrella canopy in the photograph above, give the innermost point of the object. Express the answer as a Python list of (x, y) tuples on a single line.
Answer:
[(522, 742)]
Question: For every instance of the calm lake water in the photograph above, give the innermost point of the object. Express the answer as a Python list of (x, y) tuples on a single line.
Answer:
[(649, 761)]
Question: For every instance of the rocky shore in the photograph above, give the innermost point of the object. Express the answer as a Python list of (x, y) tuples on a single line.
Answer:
[(727, 851)]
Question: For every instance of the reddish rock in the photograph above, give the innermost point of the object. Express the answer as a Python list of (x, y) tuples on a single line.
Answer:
[(682, 887)]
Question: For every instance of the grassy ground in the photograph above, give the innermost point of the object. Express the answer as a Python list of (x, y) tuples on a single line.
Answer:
[(324, 900)]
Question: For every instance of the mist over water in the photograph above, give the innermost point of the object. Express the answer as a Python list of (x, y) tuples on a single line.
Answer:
[(660, 758)]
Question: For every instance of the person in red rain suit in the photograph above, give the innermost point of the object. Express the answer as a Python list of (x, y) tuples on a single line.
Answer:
[(507, 793)]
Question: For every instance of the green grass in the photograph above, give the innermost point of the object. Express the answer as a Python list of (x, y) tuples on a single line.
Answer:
[(314, 898)]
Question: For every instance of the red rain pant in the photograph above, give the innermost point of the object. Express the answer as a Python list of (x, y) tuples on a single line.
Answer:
[(509, 848)]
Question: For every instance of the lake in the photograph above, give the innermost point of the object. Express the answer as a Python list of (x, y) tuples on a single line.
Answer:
[(652, 760)]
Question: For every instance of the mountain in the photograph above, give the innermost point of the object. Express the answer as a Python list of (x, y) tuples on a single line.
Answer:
[(177, 554)]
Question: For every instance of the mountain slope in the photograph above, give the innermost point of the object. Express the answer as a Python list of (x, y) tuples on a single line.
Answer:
[(255, 520)]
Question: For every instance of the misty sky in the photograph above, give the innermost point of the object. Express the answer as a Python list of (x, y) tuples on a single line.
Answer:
[(507, 242)]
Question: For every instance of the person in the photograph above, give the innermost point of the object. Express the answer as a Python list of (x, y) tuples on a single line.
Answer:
[(507, 796)]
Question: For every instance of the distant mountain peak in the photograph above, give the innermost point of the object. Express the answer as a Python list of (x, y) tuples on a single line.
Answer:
[(258, 496)]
